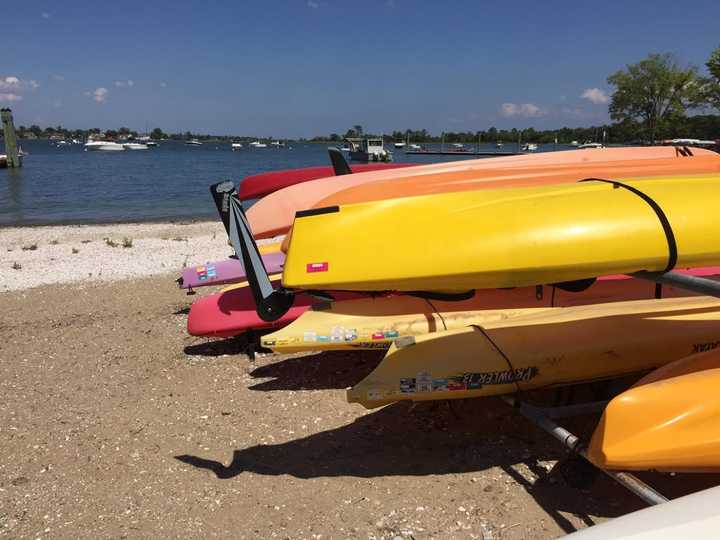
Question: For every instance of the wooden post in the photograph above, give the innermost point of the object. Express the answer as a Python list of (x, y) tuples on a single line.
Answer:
[(13, 159)]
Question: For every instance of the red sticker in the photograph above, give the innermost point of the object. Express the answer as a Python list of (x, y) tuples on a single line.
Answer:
[(317, 267), (378, 335)]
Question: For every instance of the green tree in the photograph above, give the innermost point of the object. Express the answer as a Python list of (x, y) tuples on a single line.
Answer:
[(654, 91), (710, 86), (157, 133)]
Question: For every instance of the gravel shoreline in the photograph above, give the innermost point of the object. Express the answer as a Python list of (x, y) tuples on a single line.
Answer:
[(34, 256)]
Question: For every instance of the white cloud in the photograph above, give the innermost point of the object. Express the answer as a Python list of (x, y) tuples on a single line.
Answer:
[(313, 4), (9, 98), (596, 96), (16, 84), (525, 110), (122, 84), (100, 94), (45, 15)]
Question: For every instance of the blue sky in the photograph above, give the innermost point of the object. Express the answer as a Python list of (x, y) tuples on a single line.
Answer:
[(307, 67)]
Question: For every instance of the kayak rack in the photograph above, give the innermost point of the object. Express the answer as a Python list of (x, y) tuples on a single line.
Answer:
[(542, 418)]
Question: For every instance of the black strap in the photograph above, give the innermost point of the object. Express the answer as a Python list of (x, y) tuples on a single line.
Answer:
[(664, 221)]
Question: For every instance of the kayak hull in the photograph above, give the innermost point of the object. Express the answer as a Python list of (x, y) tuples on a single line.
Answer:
[(274, 214), (553, 347), (548, 235), (226, 271), (374, 323), (668, 421)]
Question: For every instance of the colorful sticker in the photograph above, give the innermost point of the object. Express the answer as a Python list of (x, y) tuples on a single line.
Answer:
[(456, 383), (375, 345), (316, 267), (475, 381), (268, 343), (392, 334), (407, 386), (211, 272), (351, 335), (323, 339), (378, 335), (424, 382), (440, 385), (309, 336)]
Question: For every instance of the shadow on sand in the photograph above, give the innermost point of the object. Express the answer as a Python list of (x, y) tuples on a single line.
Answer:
[(331, 369), (448, 438)]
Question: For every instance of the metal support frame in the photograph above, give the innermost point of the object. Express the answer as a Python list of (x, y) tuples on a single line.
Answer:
[(696, 284), (541, 418)]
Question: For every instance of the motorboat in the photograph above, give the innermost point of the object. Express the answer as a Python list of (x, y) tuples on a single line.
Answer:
[(236, 146), (414, 146), (151, 144), (135, 146), (529, 147), (399, 144), (258, 144), (499, 144), (277, 144), (368, 149), (574, 143), (590, 145), (104, 146), (193, 142)]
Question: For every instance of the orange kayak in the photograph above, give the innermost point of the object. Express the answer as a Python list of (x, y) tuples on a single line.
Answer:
[(522, 177), (668, 421), (274, 214)]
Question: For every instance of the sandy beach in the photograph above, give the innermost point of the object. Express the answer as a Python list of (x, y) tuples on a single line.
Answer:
[(115, 423), (34, 256)]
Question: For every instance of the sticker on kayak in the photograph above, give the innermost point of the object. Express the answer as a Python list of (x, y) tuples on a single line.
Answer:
[(316, 267)]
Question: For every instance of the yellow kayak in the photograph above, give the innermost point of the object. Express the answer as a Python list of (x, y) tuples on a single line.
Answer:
[(374, 323), (553, 347), (507, 238), (667, 421)]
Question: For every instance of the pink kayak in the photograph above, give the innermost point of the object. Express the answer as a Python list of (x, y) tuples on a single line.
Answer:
[(226, 272), (260, 185), (273, 215), (230, 313)]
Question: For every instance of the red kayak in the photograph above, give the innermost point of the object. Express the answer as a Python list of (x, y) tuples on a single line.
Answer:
[(230, 313), (259, 185)]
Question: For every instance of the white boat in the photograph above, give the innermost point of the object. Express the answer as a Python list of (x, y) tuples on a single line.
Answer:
[(135, 146), (688, 517), (574, 143), (458, 145), (278, 144), (529, 147), (399, 145), (104, 146), (236, 146), (368, 150), (258, 144), (414, 146), (151, 143), (193, 142), (590, 145), (499, 144)]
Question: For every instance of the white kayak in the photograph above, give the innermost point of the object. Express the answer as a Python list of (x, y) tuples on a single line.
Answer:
[(690, 517)]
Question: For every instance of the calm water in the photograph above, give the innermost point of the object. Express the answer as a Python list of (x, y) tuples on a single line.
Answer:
[(69, 185)]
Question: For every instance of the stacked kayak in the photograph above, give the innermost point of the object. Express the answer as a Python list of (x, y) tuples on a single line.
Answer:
[(273, 215), (508, 237), (498, 276)]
